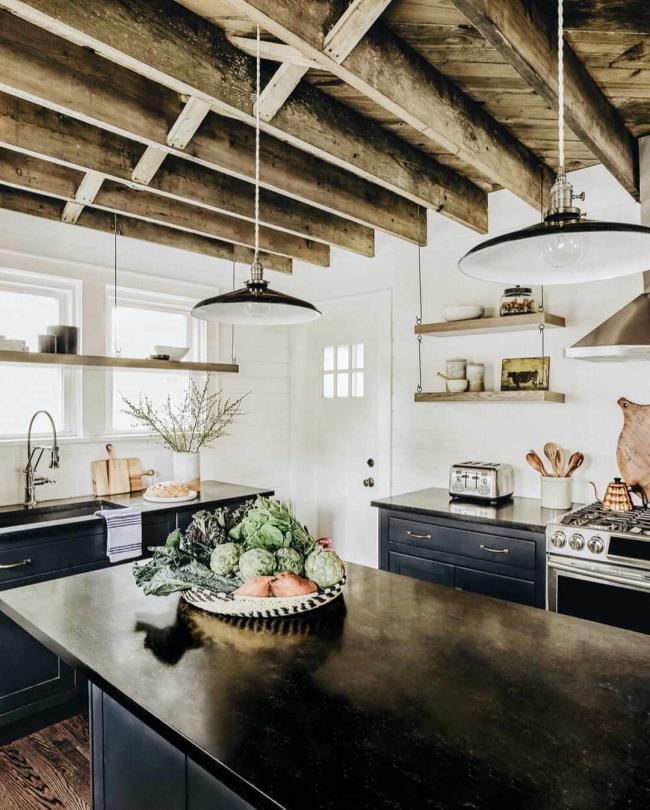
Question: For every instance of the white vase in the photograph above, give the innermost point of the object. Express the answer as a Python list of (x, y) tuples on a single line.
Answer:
[(187, 468)]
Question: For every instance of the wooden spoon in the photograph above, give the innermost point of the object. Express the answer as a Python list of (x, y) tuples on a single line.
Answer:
[(574, 462), (560, 462), (536, 463), (550, 451)]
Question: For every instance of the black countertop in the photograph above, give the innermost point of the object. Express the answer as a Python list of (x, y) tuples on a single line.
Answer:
[(518, 513), (58, 512), (402, 695)]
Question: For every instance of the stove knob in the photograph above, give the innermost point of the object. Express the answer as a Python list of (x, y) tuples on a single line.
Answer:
[(596, 545), (577, 542), (558, 539)]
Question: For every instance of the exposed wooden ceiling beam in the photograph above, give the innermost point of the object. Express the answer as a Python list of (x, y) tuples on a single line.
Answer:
[(346, 32), (527, 38), (41, 132), (393, 75), (25, 202), (35, 64), (34, 174), (170, 46)]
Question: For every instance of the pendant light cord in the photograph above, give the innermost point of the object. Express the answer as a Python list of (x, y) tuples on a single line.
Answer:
[(233, 358), (257, 145), (116, 347), (418, 321), (560, 82)]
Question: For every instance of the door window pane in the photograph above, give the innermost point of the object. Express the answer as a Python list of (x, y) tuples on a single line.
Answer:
[(328, 358), (136, 331), (328, 386), (340, 359), (357, 356), (342, 384), (357, 383)]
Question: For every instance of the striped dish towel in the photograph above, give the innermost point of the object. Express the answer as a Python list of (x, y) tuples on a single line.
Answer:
[(124, 533)]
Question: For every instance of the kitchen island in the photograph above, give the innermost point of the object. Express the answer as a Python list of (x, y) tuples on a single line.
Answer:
[(402, 694)]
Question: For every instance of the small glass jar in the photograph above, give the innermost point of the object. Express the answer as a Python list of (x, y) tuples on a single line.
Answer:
[(517, 301)]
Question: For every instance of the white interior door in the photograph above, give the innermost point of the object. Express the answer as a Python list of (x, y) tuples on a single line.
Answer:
[(343, 455)]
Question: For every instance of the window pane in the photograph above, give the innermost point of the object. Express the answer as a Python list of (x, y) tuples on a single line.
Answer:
[(357, 384), (328, 358), (357, 355), (328, 386), (137, 331), (342, 357), (343, 384), (24, 316)]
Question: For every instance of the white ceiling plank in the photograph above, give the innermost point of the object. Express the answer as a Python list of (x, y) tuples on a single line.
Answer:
[(283, 82), (273, 51), (148, 165)]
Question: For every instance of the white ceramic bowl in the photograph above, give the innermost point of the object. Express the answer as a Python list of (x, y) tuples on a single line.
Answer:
[(463, 313), (174, 352), (456, 386)]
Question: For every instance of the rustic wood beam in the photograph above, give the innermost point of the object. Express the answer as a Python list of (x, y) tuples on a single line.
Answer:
[(341, 38), (36, 65), (273, 51), (41, 132), (34, 174), (25, 202), (393, 75), (526, 37), (175, 48)]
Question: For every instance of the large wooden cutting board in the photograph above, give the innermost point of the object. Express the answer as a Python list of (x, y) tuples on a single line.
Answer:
[(633, 450), (111, 475)]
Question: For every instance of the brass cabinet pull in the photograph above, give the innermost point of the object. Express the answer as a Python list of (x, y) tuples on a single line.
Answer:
[(18, 564), (418, 536), (494, 550)]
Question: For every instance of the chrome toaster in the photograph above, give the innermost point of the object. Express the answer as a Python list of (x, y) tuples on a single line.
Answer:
[(482, 481)]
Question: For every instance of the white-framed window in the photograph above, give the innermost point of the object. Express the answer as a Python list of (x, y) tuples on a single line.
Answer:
[(29, 303), (343, 371), (141, 321)]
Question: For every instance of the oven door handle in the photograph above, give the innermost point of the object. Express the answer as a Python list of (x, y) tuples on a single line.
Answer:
[(580, 573)]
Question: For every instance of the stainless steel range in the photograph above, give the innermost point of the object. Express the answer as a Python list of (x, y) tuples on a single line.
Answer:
[(598, 566)]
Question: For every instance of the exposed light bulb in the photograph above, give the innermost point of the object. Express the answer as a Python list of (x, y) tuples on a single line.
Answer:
[(562, 250), (255, 309)]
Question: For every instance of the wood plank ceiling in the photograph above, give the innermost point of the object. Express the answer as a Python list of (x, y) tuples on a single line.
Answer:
[(140, 112)]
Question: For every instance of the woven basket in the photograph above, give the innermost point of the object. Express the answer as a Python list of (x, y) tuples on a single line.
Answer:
[(254, 607)]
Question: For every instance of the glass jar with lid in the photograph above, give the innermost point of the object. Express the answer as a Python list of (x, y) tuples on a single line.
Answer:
[(517, 301)]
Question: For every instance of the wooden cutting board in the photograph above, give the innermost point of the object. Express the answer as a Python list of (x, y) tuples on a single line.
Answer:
[(633, 450), (99, 473), (111, 475), (136, 471)]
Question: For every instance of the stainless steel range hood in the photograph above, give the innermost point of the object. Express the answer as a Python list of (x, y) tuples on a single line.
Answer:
[(623, 337)]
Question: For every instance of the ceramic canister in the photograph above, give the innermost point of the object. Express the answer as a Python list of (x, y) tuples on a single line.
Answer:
[(455, 369), (475, 376)]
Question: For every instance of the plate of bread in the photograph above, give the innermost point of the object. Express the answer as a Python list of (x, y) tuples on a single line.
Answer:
[(169, 492)]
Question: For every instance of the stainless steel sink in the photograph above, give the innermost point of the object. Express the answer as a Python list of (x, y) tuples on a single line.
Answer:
[(16, 518)]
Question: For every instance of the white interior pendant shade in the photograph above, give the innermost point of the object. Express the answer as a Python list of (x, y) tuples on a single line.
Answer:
[(564, 248), (569, 253), (251, 306), (256, 304)]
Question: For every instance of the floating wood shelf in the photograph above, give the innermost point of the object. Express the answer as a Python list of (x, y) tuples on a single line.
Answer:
[(492, 396), (485, 326), (96, 361)]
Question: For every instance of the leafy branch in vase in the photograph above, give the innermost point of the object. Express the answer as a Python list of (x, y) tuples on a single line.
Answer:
[(184, 426)]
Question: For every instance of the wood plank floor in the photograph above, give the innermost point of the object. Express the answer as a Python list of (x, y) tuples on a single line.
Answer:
[(48, 769)]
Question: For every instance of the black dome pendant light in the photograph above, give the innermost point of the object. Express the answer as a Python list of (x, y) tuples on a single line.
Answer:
[(565, 248), (256, 304)]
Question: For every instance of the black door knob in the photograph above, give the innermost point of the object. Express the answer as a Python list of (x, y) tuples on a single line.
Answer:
[(370, 462), (368, 482)]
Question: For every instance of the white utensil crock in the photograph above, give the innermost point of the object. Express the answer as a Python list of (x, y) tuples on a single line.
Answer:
[(557, 493)]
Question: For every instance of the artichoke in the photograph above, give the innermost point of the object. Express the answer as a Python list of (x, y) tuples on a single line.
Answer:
[(224, 560), (289, 560), (255, 563), (324, 568)]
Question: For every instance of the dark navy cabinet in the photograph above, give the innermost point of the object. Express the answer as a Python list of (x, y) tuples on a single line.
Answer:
[(489, 559)]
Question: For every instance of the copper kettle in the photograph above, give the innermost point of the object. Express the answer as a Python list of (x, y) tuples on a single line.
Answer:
[(617, 496)]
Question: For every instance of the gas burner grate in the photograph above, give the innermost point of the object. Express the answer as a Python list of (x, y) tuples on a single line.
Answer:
[(595, 517)]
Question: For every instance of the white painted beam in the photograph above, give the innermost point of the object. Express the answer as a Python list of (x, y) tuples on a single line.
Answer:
[(189, 120), (86, 194)]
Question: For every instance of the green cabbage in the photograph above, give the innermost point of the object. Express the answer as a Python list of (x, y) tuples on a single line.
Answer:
[(224, 560), (256, 562), (271, 526), (290, 560), (324, 568)]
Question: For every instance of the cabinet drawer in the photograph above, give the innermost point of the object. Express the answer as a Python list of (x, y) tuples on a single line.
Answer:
[(428, 570), (69, 552), (496, 548), (514, 590)]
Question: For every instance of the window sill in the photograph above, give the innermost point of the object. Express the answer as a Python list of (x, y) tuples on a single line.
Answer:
[(64, 440)]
